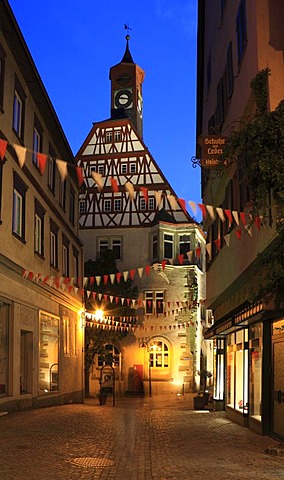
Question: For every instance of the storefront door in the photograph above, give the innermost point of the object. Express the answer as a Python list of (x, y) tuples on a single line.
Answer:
[(278, 385)]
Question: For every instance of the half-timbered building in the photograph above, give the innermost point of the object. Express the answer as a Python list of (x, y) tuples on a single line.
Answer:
[(127, 205)]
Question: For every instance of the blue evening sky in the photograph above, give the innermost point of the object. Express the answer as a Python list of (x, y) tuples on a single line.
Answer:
[(75, 42)]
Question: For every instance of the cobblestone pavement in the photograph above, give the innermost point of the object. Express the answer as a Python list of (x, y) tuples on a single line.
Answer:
[(158, 438)]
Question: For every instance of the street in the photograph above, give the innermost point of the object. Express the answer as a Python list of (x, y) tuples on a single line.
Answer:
[(159, 438)]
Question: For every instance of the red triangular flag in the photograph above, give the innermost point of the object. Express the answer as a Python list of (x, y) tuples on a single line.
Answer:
[(203, 209), (238, 232), (118, 276), (243, 217), (132, 273), (164, 263), (80, 176), (257, 222), (144, 191), (41, 157), (114, 185), (218, 243), (182, 204), (198, 252), (229, 215), (105, 279), (147, 269), (3, 146), (180, 259)]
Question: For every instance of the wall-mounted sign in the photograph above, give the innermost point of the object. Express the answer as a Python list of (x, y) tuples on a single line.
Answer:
[(211, 149)]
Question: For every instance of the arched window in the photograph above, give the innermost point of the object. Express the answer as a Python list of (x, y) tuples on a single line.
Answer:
[(158, 354)]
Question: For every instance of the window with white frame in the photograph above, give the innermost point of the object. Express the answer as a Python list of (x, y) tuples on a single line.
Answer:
[(19, 204), (154, 302), (39, 228), (108, 136), (101, 169), (116, 248), (132, 168), (51, 169), (123, 168), (143, 204), (82, 206), (103, 245), (117, 135), (168, 245), (107, 205), (53, 244), (155, 247), (110, 356), (158, 355), (65, 256), (62, 193), (117, 204), (37, 145), (17, 114), (184, 245), (151, 203)]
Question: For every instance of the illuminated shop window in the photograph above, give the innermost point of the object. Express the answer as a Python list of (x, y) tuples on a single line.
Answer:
[(48, 353), (159, 355), (237, 371), (255, 375)]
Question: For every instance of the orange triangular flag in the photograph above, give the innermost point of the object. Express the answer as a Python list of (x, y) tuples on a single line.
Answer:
[(144, 191), (98, 179), (114, 185), (130, 189)]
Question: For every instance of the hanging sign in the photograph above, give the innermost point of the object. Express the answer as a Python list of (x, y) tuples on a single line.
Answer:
[(211, 149)]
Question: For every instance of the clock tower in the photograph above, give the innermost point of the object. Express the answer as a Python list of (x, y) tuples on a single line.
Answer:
[(126, 90)]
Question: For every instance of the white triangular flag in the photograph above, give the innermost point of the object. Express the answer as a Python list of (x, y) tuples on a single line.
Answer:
[(62, 168), (21, 154), (220, 212)]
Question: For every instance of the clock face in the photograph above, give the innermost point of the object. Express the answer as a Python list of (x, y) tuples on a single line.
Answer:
[(123, 98)]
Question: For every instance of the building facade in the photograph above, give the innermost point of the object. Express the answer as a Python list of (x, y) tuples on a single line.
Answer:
[(128, 206), (41, 256), (237, 40)]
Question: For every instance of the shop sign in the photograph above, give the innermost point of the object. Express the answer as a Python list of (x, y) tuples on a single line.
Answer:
[(212, 147)]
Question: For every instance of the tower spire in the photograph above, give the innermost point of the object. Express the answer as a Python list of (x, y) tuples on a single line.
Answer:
[(127, 57)]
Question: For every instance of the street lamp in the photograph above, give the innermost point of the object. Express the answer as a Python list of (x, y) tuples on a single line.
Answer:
[(150, 348)]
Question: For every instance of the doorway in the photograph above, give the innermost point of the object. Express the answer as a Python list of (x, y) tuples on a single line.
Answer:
[(26, 362)]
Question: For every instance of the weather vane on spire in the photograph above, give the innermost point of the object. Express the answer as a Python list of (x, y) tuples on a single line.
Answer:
[(127, 27)]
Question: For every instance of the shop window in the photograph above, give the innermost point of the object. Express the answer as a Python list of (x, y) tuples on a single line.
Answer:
[(219, 366), (237, 371), (49, 353), (66, 336), (241, 30), (26, 362), (255, 370), (158, 355), (19, 207), (4, 349)]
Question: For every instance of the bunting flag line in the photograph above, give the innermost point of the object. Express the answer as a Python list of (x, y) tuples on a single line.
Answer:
[(63, 166)]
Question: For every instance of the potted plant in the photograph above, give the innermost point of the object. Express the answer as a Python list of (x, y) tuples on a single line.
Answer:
[(102, 397)]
